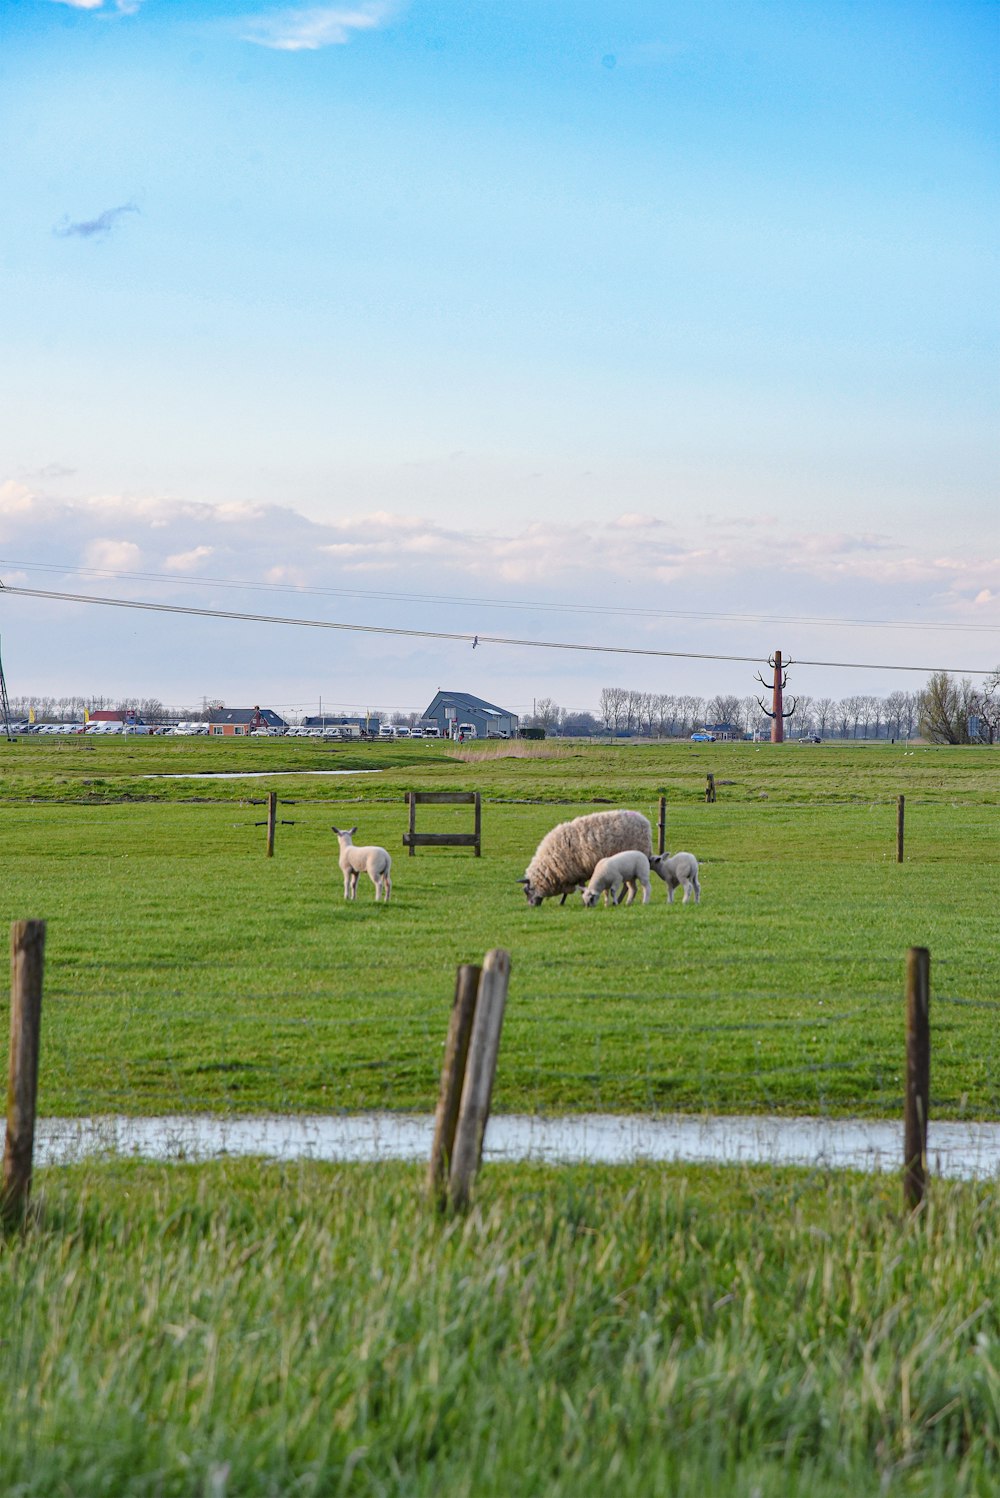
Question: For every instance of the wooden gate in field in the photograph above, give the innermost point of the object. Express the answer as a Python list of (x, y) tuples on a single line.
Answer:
[(414, 839)]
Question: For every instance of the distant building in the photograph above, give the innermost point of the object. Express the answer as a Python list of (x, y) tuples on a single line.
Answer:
[(451, 709), (232, 722)]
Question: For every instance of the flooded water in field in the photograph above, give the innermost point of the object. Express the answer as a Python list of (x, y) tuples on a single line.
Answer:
[(255, 774), (956, 1150)]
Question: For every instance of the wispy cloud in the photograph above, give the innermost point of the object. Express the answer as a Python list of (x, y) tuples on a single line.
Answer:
[(93, 227), (309, 28)]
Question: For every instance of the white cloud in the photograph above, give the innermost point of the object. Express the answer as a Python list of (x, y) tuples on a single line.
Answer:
[(314, 26), (114, 556), (187, 561)]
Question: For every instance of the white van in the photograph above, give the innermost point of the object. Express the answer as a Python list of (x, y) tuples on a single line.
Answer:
[(466, 731)]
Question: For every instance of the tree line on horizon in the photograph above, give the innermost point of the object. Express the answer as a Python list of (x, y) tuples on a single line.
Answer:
[(946, 710)]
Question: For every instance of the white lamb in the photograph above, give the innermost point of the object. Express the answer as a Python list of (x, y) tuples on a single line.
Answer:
[(678, 869), (371, 860), (622, 870)]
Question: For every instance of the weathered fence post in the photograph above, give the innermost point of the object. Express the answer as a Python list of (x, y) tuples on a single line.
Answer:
[(480, 1069), (411, 797), (900, 817), (661, 827), (918, 1074), (710, 788), (272, 817), (452, 1076), (27, 958)]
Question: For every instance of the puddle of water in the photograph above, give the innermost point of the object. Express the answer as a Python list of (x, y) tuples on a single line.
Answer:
[(255, 774), (959, 1151)]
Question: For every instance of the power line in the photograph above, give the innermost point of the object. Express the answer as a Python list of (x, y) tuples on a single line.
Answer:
[(521, 605), (435, 634)]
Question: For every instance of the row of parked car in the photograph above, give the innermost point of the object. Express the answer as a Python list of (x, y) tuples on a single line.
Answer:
[(94, 730)]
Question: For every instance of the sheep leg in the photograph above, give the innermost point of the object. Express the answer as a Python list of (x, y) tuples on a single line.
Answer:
[(386, 885), (645, 893), (629, 884), (347, 884)]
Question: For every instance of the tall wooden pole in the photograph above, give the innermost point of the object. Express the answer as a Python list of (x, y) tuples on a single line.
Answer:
[(777, 718), (900, 816), (918, 1074), (661, 827), (27, 957)]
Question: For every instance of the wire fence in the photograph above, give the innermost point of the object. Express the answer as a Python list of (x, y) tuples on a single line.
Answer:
[(193, 983)]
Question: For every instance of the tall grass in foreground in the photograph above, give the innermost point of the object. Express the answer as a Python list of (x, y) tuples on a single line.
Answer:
[(247, 1329)]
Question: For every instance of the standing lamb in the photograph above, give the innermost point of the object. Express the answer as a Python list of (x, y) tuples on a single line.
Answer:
[(371, 860), (567, 856), (621, 870), (678, 869)]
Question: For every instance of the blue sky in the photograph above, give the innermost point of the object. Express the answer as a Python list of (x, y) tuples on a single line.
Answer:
[(686, 307)]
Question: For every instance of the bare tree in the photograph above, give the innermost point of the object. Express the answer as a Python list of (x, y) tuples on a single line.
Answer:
[(988, 708), (823, 711), (547, 713), (611, 708), (725, 709)]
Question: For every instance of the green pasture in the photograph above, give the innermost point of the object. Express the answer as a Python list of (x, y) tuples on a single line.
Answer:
[(251, 1330), (187, 971)]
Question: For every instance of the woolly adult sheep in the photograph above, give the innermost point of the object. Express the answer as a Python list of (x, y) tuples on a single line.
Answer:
[(370, 860), (612, 875), (678, 869), (568, 855)]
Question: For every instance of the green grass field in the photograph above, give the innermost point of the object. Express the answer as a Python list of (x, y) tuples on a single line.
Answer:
[(187, 971), (313, 1330)]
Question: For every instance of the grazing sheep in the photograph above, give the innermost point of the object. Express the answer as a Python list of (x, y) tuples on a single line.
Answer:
[(621, 870), (371, 860), (567, 856), (675, 869)]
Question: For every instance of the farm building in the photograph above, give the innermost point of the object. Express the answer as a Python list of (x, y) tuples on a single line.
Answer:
[(451, 709), (234, 721)]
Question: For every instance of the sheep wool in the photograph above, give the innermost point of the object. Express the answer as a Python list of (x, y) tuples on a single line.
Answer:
[(568, 855)]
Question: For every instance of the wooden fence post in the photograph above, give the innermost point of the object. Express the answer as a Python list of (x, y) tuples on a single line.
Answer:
[(661, 827), (411, 796), (710, 788), (480, 1069), (918, 1074), (900, 817), (272, 817), (452, 1076), (27, 958)]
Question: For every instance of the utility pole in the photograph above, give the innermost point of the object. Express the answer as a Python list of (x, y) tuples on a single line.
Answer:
[(4, 702), (776, 713)]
